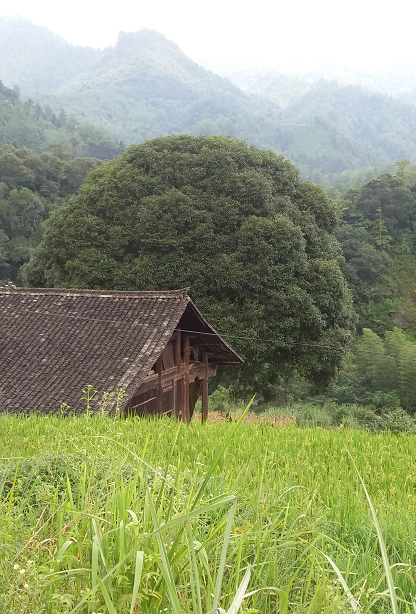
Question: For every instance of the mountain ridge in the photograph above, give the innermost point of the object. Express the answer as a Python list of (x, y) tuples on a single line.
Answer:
[(145, 86)]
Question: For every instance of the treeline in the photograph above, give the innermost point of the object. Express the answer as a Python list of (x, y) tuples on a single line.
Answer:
[(40, 128), (31, 186), (380, 372), (378, 241)]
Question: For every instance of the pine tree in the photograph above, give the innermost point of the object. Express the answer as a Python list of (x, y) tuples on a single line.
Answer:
[(381, 238)]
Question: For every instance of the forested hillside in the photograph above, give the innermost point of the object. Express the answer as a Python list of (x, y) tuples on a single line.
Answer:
[(32, 185), (379, 246), (44, 157), (396, 81), (35, 58), (41, 129), (333, 126), (145, 87)]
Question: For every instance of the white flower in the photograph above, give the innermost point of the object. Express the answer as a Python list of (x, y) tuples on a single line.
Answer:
[(25, 585), (30, 562), (22, 571), (15, 566)]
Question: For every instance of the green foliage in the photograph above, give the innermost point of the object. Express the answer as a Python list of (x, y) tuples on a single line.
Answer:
[(378, 242), (381, 238), (221, 399), (235, 223), (41, 129), (31, 186), (331, 415), (380, 372)]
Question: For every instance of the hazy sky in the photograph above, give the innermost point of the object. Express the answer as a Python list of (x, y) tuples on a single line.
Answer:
[(281, 33)]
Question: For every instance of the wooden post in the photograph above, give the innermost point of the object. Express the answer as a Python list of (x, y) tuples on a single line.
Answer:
[(185, 411), (204, 414), (175, 398), (177, 392), (178, 351), (159, 393)]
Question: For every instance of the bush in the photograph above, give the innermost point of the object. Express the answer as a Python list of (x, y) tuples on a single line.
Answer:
[(367, 417), (221, 399)]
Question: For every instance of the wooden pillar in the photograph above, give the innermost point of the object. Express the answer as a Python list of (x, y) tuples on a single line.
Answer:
[(159, 391), (177, 392), (175, 398), (204, 414), (185, 411), (178, 351)]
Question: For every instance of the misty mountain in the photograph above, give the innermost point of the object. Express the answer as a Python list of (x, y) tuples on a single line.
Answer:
[(398, 82), (145, 87), (35, 58), (40, 129)]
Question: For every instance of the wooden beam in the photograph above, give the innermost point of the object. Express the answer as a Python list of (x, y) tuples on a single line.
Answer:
[(204, 414), (185, 411)]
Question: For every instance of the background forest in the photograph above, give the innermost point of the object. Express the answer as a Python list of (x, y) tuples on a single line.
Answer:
[(85, 105)]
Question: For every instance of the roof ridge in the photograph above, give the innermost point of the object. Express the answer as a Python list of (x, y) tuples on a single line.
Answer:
[(181, 293)]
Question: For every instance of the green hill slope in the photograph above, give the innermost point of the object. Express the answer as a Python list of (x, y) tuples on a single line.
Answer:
[(41, 129), (375, 120), (145, 87)]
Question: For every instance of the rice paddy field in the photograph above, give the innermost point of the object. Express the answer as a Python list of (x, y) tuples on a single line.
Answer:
[(114, 516)]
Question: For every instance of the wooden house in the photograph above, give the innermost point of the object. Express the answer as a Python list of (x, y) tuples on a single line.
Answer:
[(137, 352)]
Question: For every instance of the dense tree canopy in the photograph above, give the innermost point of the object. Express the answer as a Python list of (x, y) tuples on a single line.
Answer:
[(31, 186), (235, 224), (41, 129), (379, 246)]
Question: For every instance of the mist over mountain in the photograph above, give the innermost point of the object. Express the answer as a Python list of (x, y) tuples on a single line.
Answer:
[(36, 59), (145, 86), (40, 129), (398, 82)]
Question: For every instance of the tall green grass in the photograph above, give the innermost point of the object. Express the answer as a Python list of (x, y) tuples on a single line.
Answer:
[(102, 515)]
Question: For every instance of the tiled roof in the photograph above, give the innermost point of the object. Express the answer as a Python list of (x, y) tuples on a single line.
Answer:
[(54, 342)]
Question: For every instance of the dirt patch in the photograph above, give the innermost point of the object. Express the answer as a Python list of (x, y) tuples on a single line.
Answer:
[(250, 418)]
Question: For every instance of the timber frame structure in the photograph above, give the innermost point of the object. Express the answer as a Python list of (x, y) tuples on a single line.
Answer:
[(141, 353), (179, 377)]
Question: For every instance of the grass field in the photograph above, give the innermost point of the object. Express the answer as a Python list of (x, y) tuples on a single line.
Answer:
[(136, 516)]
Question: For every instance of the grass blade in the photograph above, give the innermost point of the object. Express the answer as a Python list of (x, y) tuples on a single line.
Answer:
[(219, 455), (241, 593), (137, 578), (220, 573), (345, 586), (110, 607), (382, 545), (195, 584), (164, 562), (63, 549)]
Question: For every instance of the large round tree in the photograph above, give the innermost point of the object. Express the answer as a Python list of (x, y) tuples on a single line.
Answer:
[(253, 242)]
